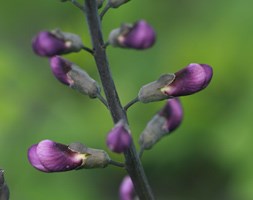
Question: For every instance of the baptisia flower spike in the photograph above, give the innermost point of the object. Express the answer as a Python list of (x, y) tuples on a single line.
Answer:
[(189, 80), (4, 190), (138, 36), (50, 156), (126, 190), (163, 123), (119, 138), (70, 74), (51, 43)]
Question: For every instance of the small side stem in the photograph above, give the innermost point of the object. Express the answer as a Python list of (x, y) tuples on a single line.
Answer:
[(117, 164), (131, 103), (102, 99), (88, 50), (106, 8), (78, 5)]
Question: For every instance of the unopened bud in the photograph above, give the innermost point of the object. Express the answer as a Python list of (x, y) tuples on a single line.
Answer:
[(189, 80), (56, 42), (126, 189), (119, 138), (138, 36), (163, 123), (70, 74)]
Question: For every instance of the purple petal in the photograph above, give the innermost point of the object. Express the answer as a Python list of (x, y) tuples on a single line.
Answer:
[(126, 190), (189, 80), (47, 44), (34, 159), (173, 113), (56, 157), (141, 36), (60, 67), (119, 138)]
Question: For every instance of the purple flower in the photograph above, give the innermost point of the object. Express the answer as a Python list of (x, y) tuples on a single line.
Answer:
[(47, 44), (173, 113), (138, 36), (56, 42), (60, 67), (119, 138), (163, 123), (49, 156), (191, 79), (126, 190)]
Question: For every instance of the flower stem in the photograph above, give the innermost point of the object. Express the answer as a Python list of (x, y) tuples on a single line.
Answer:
[(88, 50), (117, 164), (107, 7), (133, 164), (78, 5), (135, 100), (102, 99)]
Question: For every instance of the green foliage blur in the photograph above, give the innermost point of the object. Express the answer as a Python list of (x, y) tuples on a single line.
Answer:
[(208, 158)]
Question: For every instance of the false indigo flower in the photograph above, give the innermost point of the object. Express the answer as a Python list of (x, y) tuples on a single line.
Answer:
[(4, 190), (73, 76), (138, 36), (163, 123), (49, 156), (188, 80), (126, 190), (56, 42), (119, 138), (60, 68)]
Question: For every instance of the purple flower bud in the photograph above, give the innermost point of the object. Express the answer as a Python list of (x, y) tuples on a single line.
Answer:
[(191, 79), (60, 67), (4, 190), (138, 36), (126, 190), (163, 123), (49, 156), (119, 138), (70, 74), (56, 42), (117, 3)]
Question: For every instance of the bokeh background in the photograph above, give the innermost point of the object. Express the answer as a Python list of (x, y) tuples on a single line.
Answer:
[(208, 157)]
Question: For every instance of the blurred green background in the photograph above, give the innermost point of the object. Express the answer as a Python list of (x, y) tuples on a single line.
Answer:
[(208, 157)]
